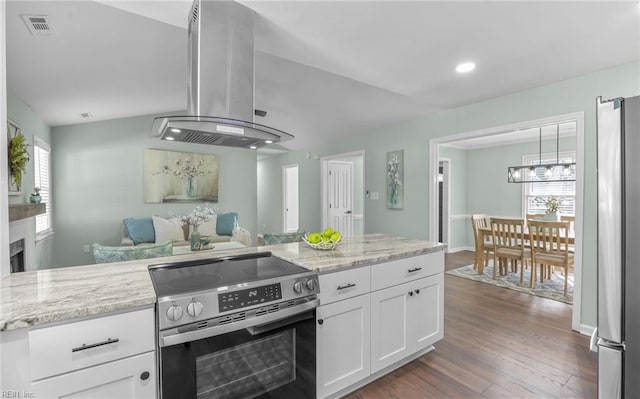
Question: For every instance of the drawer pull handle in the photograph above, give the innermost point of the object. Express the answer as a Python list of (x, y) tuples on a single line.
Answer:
[(415, 269), (85, 346), (145, 375), (320, 321), (417, 291), (344, 287), (410, 293)]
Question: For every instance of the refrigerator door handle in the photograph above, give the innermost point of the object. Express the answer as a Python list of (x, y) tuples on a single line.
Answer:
[(616, 346), (593, 342)]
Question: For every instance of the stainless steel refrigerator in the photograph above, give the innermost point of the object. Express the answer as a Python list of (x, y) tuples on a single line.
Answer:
[(618, 327)]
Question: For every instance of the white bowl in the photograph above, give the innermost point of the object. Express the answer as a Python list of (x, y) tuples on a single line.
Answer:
[(322, 245)]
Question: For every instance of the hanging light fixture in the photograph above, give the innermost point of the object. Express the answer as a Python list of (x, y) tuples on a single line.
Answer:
[(559, 171)]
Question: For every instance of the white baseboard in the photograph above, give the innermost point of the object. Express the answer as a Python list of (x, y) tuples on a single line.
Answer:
[(586, 329), (458, 249)]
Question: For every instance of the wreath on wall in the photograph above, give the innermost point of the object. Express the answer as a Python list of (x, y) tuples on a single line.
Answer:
[(18, 157)]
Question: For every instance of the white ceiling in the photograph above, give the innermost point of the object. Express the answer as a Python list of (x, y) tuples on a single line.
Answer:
[(324, 70)]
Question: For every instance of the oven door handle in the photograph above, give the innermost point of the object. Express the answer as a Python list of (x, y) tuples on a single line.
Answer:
[(263, 328), (170, 337)]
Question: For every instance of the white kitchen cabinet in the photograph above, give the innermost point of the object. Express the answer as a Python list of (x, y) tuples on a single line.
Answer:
[(405, 319), (131, 378), (343, 344), (108, 356)]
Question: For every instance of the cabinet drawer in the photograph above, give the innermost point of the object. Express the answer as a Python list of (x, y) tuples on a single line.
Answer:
[(407, 269), (346, 284), (67, 347)]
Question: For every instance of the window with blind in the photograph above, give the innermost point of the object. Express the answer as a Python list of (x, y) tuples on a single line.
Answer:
[(537, 193), (41, 164)]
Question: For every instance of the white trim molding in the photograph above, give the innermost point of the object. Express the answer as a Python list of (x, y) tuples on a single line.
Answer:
[(434, 148)]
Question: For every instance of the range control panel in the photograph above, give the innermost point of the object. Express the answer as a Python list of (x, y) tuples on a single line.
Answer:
[(252, 296)]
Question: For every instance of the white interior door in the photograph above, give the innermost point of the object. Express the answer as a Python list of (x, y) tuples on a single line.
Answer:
[(291, 200), (340, 195)]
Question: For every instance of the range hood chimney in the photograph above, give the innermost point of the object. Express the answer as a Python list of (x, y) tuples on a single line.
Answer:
[(220, 92)]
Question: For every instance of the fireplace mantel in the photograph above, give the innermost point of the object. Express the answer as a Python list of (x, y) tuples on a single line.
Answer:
[(23, 211)]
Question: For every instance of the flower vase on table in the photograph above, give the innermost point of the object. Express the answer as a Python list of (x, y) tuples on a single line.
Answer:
[(195, 239)]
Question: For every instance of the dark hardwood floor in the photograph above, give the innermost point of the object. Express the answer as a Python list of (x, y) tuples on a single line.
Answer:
[(498, 343)]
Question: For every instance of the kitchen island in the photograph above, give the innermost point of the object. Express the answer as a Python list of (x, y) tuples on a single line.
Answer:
[(35, 306)]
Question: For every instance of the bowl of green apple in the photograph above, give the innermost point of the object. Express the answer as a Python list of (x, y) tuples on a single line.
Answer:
[(327, 240)]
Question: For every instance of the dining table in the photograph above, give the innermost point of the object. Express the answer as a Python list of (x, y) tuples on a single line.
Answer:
[(484, 232)]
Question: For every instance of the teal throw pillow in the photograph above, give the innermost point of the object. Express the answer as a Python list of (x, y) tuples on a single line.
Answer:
[(225, 223), (140, 230)]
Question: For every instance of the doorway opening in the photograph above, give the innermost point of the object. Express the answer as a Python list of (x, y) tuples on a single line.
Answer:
[(495, 195), (342, 177), (291, 201), (443, 200)]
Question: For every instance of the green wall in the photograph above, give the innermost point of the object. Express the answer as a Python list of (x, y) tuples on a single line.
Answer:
[(98, 178), (31, 126), (572, 95)]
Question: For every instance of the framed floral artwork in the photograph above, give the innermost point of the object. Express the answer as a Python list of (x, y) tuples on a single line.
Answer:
[(395, 177), (171, 176)]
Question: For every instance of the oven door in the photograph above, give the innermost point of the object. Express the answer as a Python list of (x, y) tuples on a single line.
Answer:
[(276, 359)]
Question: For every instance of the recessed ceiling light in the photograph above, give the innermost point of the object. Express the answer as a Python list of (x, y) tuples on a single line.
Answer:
[(86, 115), (170, 138), (174, 130), (465, 67), (253, 147), (268, 141)]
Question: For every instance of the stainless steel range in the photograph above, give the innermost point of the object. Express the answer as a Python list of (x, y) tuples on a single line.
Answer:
[(236, 327)]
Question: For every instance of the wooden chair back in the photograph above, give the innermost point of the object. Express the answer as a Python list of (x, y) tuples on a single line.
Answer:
[(549, 240), (508, 233), (478, 220), (569, 218)]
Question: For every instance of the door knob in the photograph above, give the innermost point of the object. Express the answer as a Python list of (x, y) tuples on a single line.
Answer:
[(347, 212)]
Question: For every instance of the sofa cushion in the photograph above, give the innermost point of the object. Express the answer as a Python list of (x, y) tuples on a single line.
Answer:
[(140, 230), (225, 223), (209, 228), (107, 254), (167, 229)]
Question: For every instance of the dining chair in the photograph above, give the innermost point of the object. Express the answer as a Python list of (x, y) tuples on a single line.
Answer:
[(550, 247), (480, 220), (572, 227), (508, 245)]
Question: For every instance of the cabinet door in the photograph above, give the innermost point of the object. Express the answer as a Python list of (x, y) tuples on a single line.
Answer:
[(389, 326), (343, 349), (133, 377), (426, 312)]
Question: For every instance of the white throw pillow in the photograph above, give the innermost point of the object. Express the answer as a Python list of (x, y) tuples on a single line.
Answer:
[(168, 229), (208, 229)]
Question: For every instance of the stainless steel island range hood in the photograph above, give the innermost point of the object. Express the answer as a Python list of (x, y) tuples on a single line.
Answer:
[(220, 92)]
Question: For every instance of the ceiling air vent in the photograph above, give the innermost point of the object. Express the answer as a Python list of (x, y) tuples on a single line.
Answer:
[(37, 24)]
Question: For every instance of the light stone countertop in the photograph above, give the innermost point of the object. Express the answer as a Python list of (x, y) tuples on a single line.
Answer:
[(353, 251), (57, 295)]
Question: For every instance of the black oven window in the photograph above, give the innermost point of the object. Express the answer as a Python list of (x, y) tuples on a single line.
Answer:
[(248, 370)]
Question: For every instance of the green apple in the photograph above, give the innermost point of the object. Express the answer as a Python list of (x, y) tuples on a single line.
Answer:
[(327, 232)]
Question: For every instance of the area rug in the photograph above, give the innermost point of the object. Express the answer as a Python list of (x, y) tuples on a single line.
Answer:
[(551, 289)]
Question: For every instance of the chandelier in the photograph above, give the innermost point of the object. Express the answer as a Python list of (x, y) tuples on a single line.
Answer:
[(548, 172)]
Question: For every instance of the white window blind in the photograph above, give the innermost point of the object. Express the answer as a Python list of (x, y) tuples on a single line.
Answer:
[(41, 161), (537, 193)]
